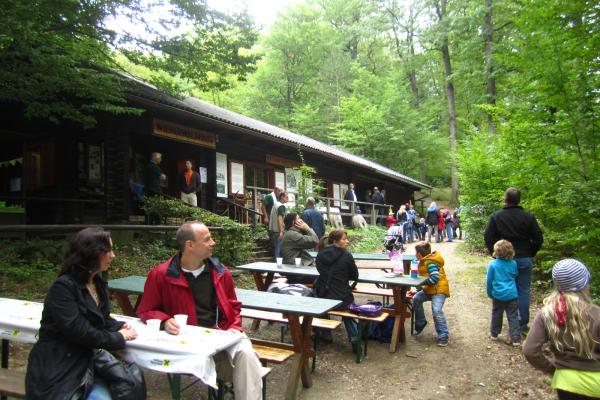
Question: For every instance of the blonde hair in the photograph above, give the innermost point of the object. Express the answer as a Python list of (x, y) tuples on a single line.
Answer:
[(577, 332), (504, 249)]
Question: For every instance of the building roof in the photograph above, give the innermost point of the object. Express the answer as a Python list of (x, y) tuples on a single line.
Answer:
[(197, 106)]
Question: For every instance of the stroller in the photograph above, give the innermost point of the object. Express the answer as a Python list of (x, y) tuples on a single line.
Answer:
[(394, 238)]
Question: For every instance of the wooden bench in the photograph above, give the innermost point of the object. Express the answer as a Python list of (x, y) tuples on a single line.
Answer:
[(362, 334), (375, 291), (12, 383), (320, 323)]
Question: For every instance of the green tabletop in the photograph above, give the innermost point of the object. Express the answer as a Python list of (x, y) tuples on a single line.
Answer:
[(372, 256), (133, 284), (366, 277), (253, 299), (285, 303)]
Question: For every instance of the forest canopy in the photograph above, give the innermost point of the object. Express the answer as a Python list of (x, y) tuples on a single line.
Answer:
[(475, 95)]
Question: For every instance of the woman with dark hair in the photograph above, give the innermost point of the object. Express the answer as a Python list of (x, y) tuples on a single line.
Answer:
[(298, 239), (75, 321), (336, 267)]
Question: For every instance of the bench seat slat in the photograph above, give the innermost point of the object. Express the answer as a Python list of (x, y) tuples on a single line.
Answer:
[(381, 317), (12, 383)]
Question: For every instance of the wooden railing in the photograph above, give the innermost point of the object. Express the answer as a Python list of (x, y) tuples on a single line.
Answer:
[(239, 212)]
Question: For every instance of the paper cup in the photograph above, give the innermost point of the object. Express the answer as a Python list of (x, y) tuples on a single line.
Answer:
[(181, 320), (298, 261), (153, 324), (279, 261)]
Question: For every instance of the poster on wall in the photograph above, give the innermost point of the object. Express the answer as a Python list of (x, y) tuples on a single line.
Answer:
[(237, 177), (94, 164), (343, 190), (279, 179), (221, 175), (336, 195), (292, 179), (203, 172)]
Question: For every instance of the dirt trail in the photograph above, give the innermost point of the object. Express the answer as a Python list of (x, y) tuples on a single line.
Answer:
[(471, 367)]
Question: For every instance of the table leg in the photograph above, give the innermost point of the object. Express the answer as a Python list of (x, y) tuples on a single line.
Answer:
[(398, 333), (175, 385), (261, 285), (301, 338), (5, 354), (124, 303)]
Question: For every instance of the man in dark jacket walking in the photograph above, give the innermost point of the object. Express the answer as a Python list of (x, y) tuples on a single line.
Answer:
[(521, 229), (377, 198)]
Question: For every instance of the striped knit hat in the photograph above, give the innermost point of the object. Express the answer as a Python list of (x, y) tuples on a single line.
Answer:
[(570, 275)]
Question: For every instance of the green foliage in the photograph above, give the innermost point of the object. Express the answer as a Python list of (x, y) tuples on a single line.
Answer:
[(308, 185), (58, 57), (369, 240), (235, 242)]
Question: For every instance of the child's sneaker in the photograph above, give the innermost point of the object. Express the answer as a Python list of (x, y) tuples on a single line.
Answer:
[(443, 342), (493, 337)]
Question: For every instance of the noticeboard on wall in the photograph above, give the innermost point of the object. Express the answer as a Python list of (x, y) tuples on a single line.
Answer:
[(237, 177), (279, 179), (336, 195), (221, 175), (343, 190)]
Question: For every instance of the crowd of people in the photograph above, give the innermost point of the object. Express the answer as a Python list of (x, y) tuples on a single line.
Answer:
[(76, 317)]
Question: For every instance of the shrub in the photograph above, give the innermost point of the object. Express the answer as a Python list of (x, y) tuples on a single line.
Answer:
[(235, 241)]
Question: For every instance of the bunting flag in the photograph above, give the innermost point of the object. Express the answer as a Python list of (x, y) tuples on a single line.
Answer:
[(11, 163)]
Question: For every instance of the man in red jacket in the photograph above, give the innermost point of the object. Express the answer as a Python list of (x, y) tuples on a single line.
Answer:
[(196, 284)]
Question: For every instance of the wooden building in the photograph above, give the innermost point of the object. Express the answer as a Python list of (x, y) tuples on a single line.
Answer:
[(66, 173)]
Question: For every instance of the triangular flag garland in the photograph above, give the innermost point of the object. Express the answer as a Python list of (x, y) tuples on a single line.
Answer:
[(11, 163)]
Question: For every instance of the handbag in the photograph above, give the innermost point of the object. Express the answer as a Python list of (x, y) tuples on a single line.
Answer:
[(371, 309), (125, 380)]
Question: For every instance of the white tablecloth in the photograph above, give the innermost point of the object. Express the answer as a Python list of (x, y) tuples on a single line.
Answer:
[(189, 352)]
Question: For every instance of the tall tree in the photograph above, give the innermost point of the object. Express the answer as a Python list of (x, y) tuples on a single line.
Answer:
[(57, 57), (441, 12)]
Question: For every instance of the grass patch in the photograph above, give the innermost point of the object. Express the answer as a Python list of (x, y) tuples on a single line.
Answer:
[(369, 240)]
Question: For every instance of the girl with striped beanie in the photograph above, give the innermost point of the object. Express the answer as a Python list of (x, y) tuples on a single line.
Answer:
[(570, 323)]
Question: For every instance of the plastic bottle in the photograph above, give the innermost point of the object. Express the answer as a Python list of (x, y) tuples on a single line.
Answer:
[(414, 268), (397, 267)]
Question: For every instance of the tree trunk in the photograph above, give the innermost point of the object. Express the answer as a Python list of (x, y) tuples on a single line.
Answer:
[(489, 64), (440, 8)]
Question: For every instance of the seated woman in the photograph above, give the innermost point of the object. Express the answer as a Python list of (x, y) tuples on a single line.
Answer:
[(298, 239), (336, 267), (75, 321)]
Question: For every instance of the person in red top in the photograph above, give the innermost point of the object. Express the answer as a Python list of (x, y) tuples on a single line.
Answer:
[(442, 224), (194, 283), (189, 184)]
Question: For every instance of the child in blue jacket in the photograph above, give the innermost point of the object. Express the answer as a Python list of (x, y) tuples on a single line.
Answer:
[(502, 289)]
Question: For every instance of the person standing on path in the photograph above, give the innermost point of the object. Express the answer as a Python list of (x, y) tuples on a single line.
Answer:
[(570, 322), (432, 220), (502, 289), (276, 225), (189, 184), (313, 218), (521, 229)]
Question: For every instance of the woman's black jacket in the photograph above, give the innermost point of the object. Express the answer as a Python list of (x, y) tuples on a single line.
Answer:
[(72, 326), (336, 267)]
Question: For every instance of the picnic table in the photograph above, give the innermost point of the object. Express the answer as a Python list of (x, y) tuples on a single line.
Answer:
[(406, 259), (191, 352), (293, 308), (399, 286)]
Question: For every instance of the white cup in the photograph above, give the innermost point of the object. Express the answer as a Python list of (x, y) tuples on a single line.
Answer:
[(181, 320), (153, 324), (279, 261), (298, 261)]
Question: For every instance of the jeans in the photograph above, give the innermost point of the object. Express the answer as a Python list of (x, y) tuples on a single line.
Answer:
[(432, 230), (408, 232), (450, 231), (99, 391), (525, 266), (512, 315), (437, 310), (276, 240), (351, 327)]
